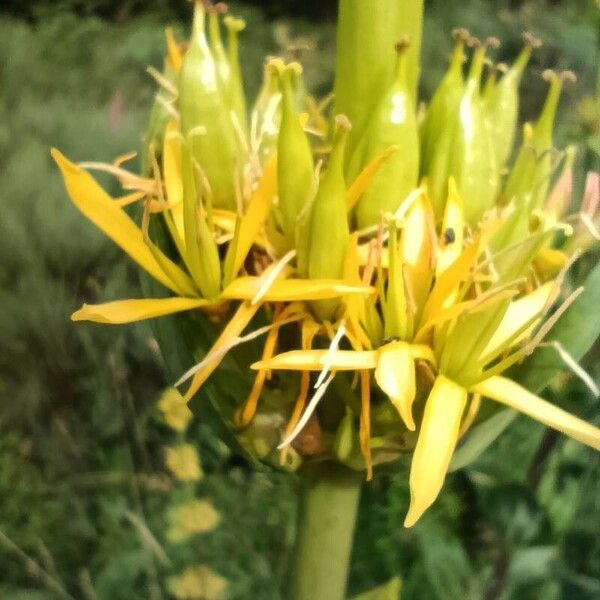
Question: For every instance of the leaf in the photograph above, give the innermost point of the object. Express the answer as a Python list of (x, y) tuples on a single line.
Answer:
[(480, 437), (387, 591)]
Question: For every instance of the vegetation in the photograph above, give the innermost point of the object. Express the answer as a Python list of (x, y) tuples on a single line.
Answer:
[(85, 498)]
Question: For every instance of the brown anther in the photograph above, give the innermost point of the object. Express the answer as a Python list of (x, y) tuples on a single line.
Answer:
[(549, 75), (461, 34), (402, 44), (473, 42), (343, 122), (531, 40), (568, 77), (492, 42)]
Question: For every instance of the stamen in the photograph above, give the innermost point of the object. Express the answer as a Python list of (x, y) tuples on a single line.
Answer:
[(272, 275), (549, 324), (365, 422), (589, 225), (310, 409), (236, 341), (162, 80), (575, 367), (329, 357)]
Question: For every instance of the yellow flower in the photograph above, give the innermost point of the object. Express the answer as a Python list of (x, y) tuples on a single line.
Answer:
[(174, 409), (197, 583), (183, 462), (191, 518)]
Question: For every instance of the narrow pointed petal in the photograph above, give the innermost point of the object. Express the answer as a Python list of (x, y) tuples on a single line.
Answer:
[(253, 220), (519, 313), (511, 394), (246, 288), (315, 360), (437, 439), (236, 325), (452, 229), (128, 311), (450, 279), (395, 375), (101, 210), (361, 183), (172, 176)]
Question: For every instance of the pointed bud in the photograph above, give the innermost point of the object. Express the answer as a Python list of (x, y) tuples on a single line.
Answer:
[(393, 122), (328, 234), (294, 157), (205, 118)]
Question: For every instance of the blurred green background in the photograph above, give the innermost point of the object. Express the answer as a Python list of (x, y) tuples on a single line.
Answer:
[(83, 491)]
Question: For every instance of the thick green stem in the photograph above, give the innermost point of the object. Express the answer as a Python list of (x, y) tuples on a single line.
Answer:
[(327, 517), (366, 35)]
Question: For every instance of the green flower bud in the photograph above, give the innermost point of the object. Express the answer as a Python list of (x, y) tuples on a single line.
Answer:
[(201, 247), (266, 114), (365, 62), (472, 155), (218, 50), (205, 118), (444, 103), (238, 99), (501, 102), (328, 233), (392, 123), (294, 157)]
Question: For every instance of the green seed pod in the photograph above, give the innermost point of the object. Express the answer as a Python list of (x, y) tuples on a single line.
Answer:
[(392, 123), (266, 114), (472, 156), (294, 157), (205, 118), (238, 98), (444, 102), (501, 102), (328, 233)]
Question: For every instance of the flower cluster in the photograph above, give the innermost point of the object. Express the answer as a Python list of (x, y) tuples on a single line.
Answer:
[(394, 262)]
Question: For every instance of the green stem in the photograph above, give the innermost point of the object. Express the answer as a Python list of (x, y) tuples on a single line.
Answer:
[(327, 517)]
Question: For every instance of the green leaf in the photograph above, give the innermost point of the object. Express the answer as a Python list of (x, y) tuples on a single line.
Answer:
[(480, 437), (387, 591)]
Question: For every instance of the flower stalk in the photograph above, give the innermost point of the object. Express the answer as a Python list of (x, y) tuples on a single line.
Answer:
[(327, 515)]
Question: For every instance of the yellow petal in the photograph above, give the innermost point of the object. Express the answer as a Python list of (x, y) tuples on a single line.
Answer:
[(315, 360), (361, 183), (517, 316), (438, 435), (417, 248), (450, 279), (511, 394), (254, 218), (236, 325), (172, 176), (173, 50), (246, 288), (452, 229), (128, 311), (100, 208), (395, 375)]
